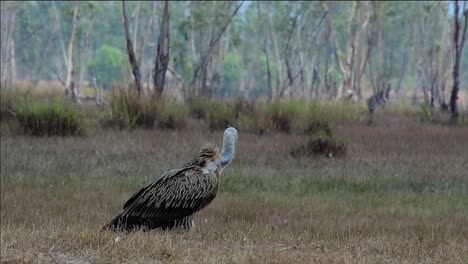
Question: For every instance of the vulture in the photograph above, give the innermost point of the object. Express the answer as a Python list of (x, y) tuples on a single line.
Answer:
[(171, 200)]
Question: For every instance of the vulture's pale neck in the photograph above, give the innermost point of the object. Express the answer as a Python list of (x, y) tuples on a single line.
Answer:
[(229, 146)]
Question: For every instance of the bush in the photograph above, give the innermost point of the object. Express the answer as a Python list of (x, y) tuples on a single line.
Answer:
[(426, 112), (256, 122), (321, 144), (197, 107), (241, 106), (219, 115), (282, 115), (317, 126), (57, 118), (173, 116), (6, 105), (129, 110)]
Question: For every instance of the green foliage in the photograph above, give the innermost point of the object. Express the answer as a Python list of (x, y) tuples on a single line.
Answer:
[(426, 111), (277, 116), (38, 48), (282, 115), (109, 65), (219, 115), (231, 73), (57, 118), (261, 75), (172, 116), (129, 111)]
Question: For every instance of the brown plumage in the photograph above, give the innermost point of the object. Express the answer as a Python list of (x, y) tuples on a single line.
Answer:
[(171, 200)]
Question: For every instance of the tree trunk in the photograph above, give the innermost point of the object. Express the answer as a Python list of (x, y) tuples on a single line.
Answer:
[(402, 72), (219, 70), (279, 70), (286, 59), (301, 62), (266, 52), (348, 64), (12, 60), (162, 54), (459, 42), (136, 27), (70, 88), (202, 86), (442, 66), (58, 28), (94, 85), (8, 65), (131, 54), (84, 54)]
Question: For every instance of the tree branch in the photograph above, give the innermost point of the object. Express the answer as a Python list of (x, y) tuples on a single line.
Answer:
[(317, 27), (59, 77), (213, 42)]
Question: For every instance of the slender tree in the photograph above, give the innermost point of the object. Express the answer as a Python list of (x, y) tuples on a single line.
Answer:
[(459, 41), (70, 88), (266, 51), (162, 53), (131, 53), (206, 55)]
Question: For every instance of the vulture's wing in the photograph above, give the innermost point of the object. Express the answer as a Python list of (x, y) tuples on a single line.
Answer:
[(176, 194)]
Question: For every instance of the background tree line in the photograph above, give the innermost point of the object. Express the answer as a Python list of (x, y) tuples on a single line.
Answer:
[(313, 50)]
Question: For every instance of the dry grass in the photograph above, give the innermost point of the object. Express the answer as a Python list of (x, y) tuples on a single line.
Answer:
[(399, 196)]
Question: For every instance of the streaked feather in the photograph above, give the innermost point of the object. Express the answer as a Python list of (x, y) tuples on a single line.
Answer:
[(172, 199)]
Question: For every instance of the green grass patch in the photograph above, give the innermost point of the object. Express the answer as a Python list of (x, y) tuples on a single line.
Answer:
[(307, 185), (55, 118), (130, 111)]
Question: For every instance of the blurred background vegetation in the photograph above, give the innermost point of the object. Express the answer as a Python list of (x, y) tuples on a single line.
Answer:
[(272, 65), (303, 47)]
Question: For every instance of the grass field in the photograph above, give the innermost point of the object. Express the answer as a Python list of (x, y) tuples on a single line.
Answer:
[(399, 196)]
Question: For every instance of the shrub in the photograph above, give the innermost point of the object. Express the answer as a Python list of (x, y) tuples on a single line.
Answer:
[(426, 112), (197, 107), (219, 115), (282, 115), (173, 116), (6, 104), (241, 106), (129, 110), (57, 118), (317, 126), (321, 144), (256, 122)]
